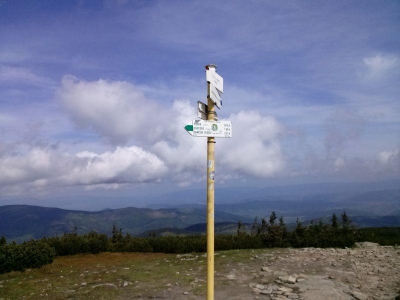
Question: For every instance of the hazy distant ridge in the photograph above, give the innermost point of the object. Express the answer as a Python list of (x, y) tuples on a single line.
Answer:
[(366, 208), (23, 222)]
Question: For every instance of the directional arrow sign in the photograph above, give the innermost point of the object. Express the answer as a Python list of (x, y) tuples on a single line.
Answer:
[(215, 79), (189, 129), (215, 96), (216, 85), (222, 129)]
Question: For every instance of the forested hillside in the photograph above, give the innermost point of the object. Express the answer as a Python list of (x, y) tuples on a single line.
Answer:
[(23, 222)]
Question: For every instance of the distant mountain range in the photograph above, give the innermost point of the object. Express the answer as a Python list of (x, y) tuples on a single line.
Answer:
[(24, 222), (376, 205), (223, 195), (366, 208)]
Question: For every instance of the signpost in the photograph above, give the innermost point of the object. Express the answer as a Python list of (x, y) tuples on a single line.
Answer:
[(200, 128), (209, 126)]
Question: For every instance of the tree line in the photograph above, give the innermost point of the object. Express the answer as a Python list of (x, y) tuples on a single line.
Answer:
[(268, 233), (274, 233)]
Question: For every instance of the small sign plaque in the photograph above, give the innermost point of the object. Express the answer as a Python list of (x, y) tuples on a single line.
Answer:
[(222, 129)]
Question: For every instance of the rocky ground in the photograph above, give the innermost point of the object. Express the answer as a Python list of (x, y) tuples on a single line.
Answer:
[(366, 272)]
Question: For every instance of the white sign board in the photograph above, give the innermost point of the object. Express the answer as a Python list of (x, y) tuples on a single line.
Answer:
[(215, 79), (216, 85), (215, 96), (221, 129), (202, 107), (202, 110)]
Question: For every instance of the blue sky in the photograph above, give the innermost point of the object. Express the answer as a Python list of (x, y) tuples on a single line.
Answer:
[(94, 95)]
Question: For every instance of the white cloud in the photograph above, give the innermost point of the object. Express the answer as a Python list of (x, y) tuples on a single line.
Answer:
[(17, 74), (255, 147), (124, 165), (121, 113), (253, 150), (181, 152), (118, 111), (380, 65), (41, 167), (390, 157), (35, 165)]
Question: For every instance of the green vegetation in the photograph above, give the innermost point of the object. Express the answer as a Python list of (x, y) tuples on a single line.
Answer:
[(23, 222), (269, 234), (385, 236), (72, 243), (32, 254), (149, 275)]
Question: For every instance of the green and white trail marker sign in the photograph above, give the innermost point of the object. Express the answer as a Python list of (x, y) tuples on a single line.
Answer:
[(202, 128)]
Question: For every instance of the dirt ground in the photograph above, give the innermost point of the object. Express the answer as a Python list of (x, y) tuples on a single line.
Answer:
[(367, 272)]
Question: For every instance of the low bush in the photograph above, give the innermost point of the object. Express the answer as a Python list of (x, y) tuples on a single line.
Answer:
[(32, 254), (71, 243), (270, 233)]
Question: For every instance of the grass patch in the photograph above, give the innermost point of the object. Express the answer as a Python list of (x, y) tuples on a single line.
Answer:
[(99, 276), (119, 275)]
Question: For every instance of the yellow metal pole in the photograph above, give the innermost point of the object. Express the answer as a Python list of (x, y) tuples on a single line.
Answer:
[(210, 201)]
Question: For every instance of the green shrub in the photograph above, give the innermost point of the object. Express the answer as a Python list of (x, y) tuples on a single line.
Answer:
[(179, 244), (131, 244), (71, 243), (32, 254), (231, 242)]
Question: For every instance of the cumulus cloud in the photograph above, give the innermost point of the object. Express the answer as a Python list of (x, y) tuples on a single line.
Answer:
[(116, 110), (124, 165), (41, 167), (255, 147), (161, 150), (120, 112), (35, 165), (184, 154), (253, 150)]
